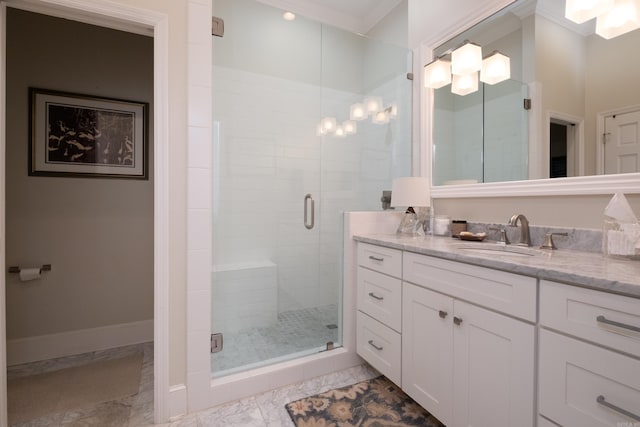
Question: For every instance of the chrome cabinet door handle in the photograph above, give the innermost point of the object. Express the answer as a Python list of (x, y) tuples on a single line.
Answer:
[(374, 296), (309, 224), (602, 401), (372, 344), (602, 319)]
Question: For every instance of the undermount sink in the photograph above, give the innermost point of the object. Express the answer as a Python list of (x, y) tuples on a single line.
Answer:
[(500, 250)]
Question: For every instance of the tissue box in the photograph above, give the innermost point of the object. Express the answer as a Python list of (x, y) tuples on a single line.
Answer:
[(621, 239)]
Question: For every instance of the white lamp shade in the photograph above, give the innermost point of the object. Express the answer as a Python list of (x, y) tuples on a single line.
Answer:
[(328, 124), (464, 85), (340, 132), (357, 111), (495, 68), (466, 59), (349, 127), (411, 191), (373, 104), (437, 74), (622, 18), (580, 11)]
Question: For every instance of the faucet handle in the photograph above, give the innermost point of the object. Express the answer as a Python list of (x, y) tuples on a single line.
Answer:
[(503, 239), (548, 240)]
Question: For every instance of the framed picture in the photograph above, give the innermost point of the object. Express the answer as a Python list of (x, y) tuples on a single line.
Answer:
[(87, 136)]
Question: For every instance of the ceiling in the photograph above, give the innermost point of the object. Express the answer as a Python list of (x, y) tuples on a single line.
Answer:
[(357, 16)]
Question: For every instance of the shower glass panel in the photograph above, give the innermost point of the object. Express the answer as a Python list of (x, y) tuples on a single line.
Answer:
[(282, 181)]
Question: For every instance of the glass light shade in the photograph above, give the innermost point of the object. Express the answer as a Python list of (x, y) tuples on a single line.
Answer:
[(495, 68), (622, 18), (411, 191), (437, 74), (357, 112), (580, 11), (380, 118), (464, 85), (328, 124), (349, 127), (373, 104), (340, 131), (466, 59)]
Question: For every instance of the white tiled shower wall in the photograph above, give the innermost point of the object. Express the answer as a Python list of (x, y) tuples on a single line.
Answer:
[(268, 157)]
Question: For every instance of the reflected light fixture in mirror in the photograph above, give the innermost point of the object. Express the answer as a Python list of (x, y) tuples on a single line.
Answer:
[(372, 104), (357, 112), (349, 127), (495, 68), (289, 16)]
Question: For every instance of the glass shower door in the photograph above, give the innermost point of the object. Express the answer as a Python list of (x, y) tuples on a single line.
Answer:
[(283, 175)]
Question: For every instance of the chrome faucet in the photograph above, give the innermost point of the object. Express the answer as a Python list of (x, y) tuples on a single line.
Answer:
[(525, 238)]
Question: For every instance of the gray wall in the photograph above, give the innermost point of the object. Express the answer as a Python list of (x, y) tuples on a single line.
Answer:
[(96, 233)]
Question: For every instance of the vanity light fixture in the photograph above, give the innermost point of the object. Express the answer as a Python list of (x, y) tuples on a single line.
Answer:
[(465, 84), (437, 73), (580, 11), (623, 17), (466, 59), (381, 117), (340, 132), (495, 68)]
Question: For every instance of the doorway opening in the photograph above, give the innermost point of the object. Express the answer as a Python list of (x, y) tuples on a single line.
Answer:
[(564, 143)]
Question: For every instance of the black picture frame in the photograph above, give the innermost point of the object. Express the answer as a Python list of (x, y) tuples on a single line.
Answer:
[(74, 135)]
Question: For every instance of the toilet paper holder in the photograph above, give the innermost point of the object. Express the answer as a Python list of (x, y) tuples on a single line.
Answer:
[(45, 267)]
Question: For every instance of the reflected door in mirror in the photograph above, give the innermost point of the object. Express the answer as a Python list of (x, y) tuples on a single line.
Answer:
[(622, 143)]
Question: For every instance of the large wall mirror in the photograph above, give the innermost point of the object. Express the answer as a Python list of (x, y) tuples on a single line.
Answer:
[(579, 134)]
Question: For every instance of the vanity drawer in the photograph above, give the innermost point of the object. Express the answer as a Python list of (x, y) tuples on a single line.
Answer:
[(380, 346), (588, 314), (379, 258), (508, 293), (380, 296), (573, 374)]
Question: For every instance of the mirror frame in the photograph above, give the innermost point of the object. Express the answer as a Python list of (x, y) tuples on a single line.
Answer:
[(581, 185)]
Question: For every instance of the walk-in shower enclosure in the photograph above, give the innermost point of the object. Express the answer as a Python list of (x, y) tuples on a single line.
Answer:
[(284, 175)]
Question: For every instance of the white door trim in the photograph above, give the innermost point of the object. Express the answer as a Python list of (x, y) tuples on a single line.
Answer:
[(113, 15)]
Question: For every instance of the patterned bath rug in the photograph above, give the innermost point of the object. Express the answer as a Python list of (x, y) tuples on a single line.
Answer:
[(373, 403)]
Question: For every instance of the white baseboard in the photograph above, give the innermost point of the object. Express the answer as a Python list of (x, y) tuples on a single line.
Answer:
[(177, 401), (43, 347)]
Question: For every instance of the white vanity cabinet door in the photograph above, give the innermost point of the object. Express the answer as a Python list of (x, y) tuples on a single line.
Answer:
[(606, 319), (380, 346), (466, 365), (573, 374), (493, 376), (380, 296), (381, 259), (427, 350)]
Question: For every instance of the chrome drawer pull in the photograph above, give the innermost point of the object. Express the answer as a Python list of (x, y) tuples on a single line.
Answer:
[(457, 320), (372, 344), (601, 400), (442, 314), (372, 295), (376, 258), (606, 321)]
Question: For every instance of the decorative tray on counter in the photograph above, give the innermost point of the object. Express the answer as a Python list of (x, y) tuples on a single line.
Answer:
[(476, 237)]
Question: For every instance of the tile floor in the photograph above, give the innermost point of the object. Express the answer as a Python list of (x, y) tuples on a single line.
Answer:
[(136, 410), (295, 331), (262, 410)]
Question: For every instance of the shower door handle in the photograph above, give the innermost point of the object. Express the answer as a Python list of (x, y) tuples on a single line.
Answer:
[(309, 224)]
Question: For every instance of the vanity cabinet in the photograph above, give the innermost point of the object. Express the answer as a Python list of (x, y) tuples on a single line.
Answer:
[(379, 303), (589, 357), (466, 363)]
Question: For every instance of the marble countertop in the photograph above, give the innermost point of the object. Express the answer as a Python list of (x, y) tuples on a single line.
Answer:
[(592, 270)]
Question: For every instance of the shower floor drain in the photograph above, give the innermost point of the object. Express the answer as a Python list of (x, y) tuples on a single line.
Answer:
[(332, 326)]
